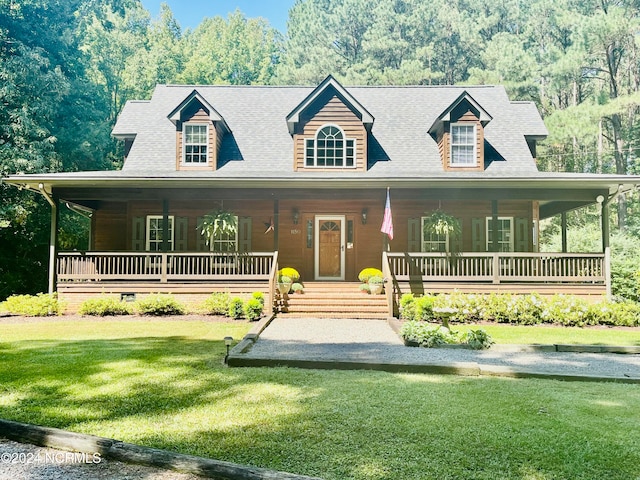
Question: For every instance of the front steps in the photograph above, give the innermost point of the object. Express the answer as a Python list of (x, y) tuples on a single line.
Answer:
[(333, 300)]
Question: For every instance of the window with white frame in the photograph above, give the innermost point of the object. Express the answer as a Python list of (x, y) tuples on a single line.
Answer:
[(225, 242), (195, 140), (434, 242), (330, 148), (155, 233), (505, 234), (463, 145)]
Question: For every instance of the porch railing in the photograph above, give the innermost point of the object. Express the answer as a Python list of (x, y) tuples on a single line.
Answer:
[(164, 267), (500, 267)]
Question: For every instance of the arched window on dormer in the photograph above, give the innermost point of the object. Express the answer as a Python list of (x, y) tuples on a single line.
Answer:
[(330, 148)]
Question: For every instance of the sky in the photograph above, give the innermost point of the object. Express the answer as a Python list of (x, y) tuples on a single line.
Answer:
[(190, 13)]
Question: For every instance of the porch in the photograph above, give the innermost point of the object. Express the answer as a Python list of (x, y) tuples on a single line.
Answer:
[(200, 273)]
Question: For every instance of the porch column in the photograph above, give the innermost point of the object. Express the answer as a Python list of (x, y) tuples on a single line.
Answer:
[(276, 222), (53, 238), (495, 235), (563, 221), (165, 225), (604, 217)]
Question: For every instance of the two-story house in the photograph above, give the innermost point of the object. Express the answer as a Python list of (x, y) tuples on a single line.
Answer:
[(306, 172)]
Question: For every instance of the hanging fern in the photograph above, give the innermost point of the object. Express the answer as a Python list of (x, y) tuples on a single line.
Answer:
[(217, 224), (443, 224)]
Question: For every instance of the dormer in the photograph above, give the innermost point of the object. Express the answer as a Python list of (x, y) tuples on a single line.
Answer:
[(330, 129), (199, 132), (459, 131)]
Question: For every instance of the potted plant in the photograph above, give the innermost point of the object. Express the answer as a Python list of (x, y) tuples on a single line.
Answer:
[(286, 277), (375, 285), (218, 223), (297, 287), (444, 225)]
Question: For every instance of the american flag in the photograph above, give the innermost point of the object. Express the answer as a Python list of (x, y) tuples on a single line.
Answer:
[(387, 222)]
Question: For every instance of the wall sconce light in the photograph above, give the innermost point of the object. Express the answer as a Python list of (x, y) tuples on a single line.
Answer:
[(364, 216), (227, 342), (296, 216), (599, 199)]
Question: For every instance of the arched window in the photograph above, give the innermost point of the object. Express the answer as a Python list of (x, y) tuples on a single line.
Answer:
[(330, 148)]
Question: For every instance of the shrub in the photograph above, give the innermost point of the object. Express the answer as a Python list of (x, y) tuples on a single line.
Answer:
[(290, 272), (424, 308), (367, 273), (407, 306), (236, 308), (297, 287), (40, 305), (427, 335), (103, 306), (258, 296), (478, 339), (159, 304), (253, 309), (217, 304)]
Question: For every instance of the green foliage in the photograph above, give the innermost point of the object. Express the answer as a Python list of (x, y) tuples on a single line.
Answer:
[(290, 273), (426, 335), (407, 306), (258, 296), (159, 304), (252, 309), (530, 309), (236, 308), (217, 224), (364, 287), (104, 306), (376, 280), (39, 305), (367, 273), (478, 339), (297, 287), (217, 303)]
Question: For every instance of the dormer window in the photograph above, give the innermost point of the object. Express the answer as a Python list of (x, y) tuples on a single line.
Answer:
[(463, 145), (196, 139), (330, 148)]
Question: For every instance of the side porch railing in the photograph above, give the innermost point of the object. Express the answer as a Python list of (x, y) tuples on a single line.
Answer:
[(164, 267)]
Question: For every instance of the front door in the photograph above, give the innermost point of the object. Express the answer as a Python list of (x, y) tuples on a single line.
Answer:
[(329, 247)]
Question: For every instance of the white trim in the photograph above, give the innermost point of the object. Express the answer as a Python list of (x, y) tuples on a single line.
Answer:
[(172, 225), (475, 144), (183, 159), (344, 149), (316, 242), (511, 227)]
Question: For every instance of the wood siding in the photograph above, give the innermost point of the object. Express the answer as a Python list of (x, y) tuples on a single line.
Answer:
[(109, 226), (334, 111), (215, 138)]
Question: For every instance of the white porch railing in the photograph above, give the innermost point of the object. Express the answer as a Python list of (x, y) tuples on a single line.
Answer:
[(164, 267), (500, 267)]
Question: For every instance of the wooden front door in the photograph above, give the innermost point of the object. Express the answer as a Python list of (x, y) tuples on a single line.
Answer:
[(329, 247)]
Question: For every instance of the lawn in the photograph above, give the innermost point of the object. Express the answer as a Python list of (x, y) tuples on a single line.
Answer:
[(161, 383)]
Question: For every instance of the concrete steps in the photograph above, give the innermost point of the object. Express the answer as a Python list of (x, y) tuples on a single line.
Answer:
[(333, 299)]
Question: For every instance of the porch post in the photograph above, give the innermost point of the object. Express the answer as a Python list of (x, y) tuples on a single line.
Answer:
[(165, 225), (563, 219), (604, 217), (495, 235), (276, 221), (53, 246)]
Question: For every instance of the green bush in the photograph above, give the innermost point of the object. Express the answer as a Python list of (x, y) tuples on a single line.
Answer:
[(259, 296), (103, 306), (40, 305), (521, 309), (159, 304), (236, 308), (217, 304), (478, 339), (253, 309), (367, 273), (426, 335)]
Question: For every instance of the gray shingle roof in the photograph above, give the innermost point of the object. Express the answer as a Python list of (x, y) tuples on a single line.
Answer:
[(260, 143)]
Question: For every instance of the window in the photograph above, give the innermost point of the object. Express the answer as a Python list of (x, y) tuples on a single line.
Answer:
[(226, 242), (330, 148), (155, 225), (433, 242), (463, 145), (505, 234), (195, 139)]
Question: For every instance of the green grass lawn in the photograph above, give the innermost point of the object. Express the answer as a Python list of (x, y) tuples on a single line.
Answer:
[(545, 334), (161, 383)]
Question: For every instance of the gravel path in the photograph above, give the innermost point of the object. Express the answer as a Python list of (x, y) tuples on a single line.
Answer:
[(22, 461), (374, 341)]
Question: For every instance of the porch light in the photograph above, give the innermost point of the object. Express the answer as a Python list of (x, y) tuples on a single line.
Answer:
[(296, 216), (364, 216), (227, 342), (599, 199)]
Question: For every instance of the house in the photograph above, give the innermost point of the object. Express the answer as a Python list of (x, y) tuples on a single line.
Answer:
[(306, 172)]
